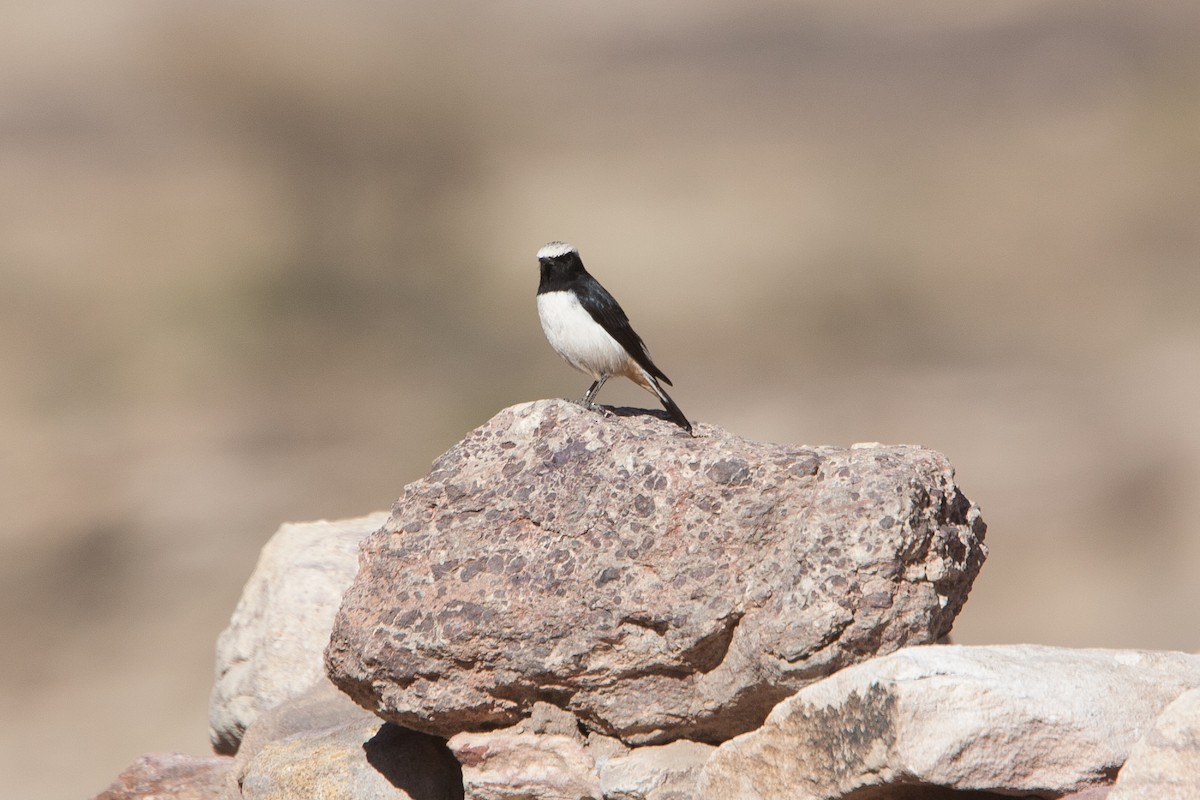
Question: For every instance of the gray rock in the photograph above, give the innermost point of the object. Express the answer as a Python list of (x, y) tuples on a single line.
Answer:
[(547, 718), (272, 648), (656, 585), (321, 708), (362, 759), (662, 772), (174, 775), (1014, 720), (1165, 763)]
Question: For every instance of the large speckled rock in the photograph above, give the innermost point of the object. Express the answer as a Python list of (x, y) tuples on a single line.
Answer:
[(658, 586), (1013, 720)]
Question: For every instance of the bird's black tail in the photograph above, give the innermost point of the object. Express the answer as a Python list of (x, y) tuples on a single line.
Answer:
[(673, 411)]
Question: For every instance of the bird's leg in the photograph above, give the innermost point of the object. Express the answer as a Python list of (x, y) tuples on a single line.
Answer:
[(586, 402)]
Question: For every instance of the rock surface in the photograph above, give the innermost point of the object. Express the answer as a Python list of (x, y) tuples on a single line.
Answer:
[(662, 772), (543, 757), (1165, 763), (320, 708), (546, 757), (659, 586), (503, 765), (272, 648), (1014, 720), (363, 760), (320, 744), (173, 775)]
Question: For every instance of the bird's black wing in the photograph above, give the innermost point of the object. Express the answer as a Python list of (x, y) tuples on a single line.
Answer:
[(607, 312)]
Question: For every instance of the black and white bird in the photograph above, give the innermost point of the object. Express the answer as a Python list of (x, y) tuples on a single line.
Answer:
[(587, 327)]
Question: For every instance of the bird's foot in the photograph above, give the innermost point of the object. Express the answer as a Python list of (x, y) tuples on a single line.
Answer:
[(590, 406)]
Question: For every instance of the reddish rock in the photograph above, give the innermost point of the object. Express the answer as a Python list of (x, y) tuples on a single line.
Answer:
[(506, 765), (174, 775), (656, 585)]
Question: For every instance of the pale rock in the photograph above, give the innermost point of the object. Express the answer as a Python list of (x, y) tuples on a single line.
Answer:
[(272, 648), (1014, 720), (656, 585), (548, 718), (512, 765), (1165, 763), (657, 772), (602, 748), (542, 757)]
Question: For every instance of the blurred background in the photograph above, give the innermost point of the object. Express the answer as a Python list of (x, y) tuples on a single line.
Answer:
[(263, 261)]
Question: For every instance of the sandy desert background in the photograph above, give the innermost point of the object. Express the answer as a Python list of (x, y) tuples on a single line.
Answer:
[(263, 261)]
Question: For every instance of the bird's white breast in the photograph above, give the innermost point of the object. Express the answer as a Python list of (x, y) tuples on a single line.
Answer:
[(577, 337)]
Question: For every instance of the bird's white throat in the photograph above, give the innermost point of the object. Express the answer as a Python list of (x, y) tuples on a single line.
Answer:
[(578, 338)]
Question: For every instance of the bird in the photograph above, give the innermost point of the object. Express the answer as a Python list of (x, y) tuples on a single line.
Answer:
[(589, 329)]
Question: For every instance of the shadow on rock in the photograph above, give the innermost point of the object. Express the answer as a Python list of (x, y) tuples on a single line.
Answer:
[(415, 763)]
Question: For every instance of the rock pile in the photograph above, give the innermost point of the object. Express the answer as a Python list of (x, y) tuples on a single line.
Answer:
[(576, 606)]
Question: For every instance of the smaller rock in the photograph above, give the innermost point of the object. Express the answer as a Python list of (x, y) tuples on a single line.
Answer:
[(548, 718), (602, 748), (320, 708), (273, 647), (362, 759), (1165, 763), (507, 764), (174, 775), (546, 757), (321, 741), (662, 772)]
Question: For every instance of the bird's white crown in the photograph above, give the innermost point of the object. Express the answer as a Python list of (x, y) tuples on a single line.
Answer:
[(555, 249)]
